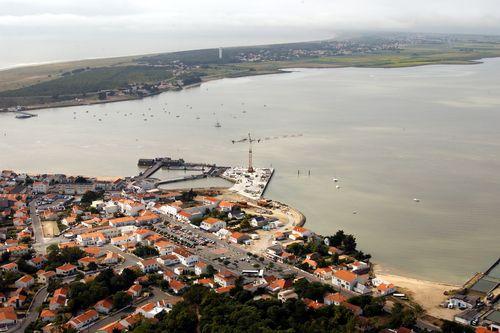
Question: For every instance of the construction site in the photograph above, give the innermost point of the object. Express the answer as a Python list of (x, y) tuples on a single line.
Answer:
[(248, 181)]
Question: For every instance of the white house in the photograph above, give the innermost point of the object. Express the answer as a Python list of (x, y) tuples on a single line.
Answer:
[(131, 208), (122, 221), (142, 234), (111, 208), (171, 210), (40, 187), (212, 224), (168, 260), (120, 240), (185, 257), (149, 265), (25, 281), (104, 306), (386, 289), (200, 268), (345, 279), (462, 301), (164, 246), (84, 319), (94, 238), (300, 232), (66, 270)]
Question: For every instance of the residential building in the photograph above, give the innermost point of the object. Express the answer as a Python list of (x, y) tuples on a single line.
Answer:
[(104, 306), (66, 270), (25, 281), (212, 224), (345, 279), (84, 319), (149, 265), (186, 258)]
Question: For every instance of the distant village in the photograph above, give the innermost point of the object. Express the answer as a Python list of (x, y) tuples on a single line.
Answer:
[(82, 254)]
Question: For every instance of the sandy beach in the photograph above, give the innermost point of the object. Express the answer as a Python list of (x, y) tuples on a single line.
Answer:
[(428, 294)]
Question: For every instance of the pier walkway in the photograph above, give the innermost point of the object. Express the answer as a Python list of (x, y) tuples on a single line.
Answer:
[(207, 170)]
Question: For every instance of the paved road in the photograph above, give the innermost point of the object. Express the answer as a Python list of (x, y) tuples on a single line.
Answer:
[(32, 313), (37, 224)]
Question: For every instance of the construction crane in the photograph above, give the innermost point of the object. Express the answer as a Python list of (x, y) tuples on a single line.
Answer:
[(250, 140)]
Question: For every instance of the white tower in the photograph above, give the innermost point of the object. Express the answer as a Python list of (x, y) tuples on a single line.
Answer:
[(220, 53)]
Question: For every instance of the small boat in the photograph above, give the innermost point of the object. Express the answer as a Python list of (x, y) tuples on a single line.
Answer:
[(217, 124), (416, 200), (335, 180), (337, 187), (23, 116), (197, 118)]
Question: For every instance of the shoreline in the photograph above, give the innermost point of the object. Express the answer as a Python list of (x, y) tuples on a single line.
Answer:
[(282, 70), (428, 294)]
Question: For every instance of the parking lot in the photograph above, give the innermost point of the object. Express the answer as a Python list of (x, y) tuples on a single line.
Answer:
[(219, 252)]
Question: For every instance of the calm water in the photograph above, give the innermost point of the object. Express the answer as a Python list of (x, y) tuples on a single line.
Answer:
[(389, 135)]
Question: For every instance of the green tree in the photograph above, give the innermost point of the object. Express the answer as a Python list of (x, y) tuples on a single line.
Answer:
[(452, 327), (121, 299)]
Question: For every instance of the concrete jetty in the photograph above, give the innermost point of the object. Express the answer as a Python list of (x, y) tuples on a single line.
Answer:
[(154, 164)]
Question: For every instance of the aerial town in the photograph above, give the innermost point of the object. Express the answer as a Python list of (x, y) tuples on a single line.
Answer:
[(82, 254)]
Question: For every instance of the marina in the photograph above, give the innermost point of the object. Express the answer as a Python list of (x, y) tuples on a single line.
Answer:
[(249, 182)]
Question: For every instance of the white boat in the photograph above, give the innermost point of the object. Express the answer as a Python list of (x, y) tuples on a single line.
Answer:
[(416, 200), (335, 180), (337, 187)]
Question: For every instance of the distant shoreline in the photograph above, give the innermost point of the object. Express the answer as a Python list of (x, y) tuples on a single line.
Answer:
[(283, 70)]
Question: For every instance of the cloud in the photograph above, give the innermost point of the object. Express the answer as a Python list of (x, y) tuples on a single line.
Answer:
[(163, 15), (70, 29)]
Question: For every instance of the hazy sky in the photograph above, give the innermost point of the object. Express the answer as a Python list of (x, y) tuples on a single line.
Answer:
[(49, 30)]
